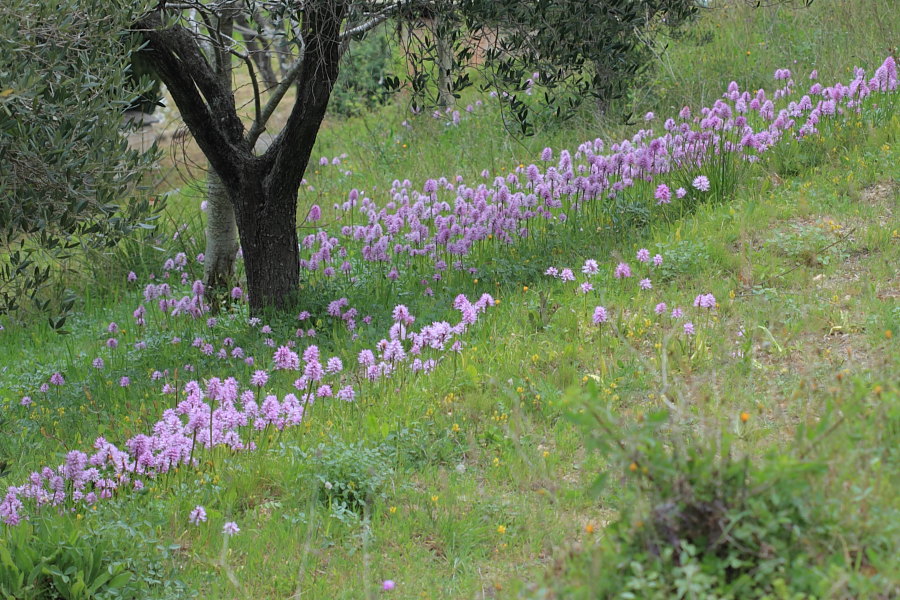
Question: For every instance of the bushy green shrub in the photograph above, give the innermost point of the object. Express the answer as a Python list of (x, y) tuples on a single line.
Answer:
[(69, 181)]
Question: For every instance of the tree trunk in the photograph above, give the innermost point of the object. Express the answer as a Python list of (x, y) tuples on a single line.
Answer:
[(444, 48), (221, 236), (221, 228), (268, 232)]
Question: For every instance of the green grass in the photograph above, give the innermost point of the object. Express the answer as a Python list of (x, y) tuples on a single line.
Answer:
[(479, 480)]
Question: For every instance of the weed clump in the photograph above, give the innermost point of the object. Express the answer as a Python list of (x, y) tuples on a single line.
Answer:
[(699, 519)]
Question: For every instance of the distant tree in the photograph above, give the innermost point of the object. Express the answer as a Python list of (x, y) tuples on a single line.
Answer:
[(67, 176), (582, 49), (571, 49)]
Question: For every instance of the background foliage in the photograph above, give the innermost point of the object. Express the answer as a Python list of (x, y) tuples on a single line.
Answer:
[(69, 184)]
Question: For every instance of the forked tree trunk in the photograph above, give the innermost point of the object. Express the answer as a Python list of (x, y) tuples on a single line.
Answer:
[(221, 236), (262, 189)]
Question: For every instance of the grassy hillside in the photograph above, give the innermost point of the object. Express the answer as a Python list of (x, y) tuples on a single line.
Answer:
[(726, 427)]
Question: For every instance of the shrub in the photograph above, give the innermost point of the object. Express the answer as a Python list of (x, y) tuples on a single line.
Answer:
[(68, 175), (360, 85)]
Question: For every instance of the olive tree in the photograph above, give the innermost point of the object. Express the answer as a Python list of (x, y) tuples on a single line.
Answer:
[(292, 51), (67, 178)]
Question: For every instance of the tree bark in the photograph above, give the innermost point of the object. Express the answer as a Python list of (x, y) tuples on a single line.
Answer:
[(221, 236), (270, 246), (444, 49)]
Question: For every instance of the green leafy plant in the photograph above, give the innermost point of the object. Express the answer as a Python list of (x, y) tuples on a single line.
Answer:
[(360, 85), (39, 562), (349, 476), (685, 256)]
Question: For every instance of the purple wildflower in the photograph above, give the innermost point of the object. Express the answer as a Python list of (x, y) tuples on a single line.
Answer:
[(286, 359), (259, 378), (646, 284), (197, 516), (230, 528), (57, 379), (660, 308), (366, 358), (401, 314), (643, 255), (313, 370), (622, 270), (705, 301), (600, 315), (311, 353), (701, 182), (663, 194), (689, 328)]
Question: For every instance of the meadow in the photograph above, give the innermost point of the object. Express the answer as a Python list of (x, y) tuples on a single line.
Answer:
[(644, 359)]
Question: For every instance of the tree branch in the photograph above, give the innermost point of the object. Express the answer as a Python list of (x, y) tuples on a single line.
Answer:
[(277, 95), (372, 23), (206, 106), (289, 153), (256, 101)]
